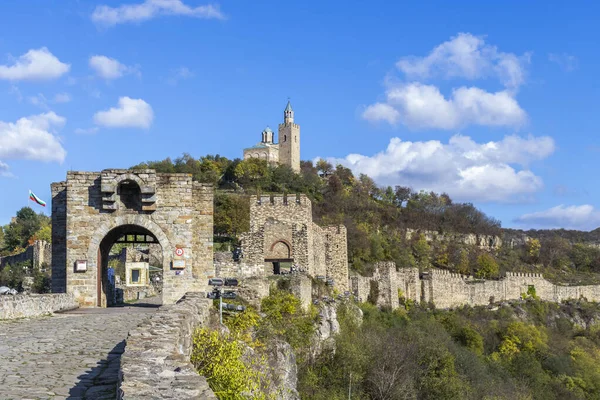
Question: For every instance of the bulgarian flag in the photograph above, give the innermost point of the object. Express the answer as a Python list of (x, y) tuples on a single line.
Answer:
[(33, 197)]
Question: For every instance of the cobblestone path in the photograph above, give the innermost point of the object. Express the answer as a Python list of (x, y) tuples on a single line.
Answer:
[(74, 355)]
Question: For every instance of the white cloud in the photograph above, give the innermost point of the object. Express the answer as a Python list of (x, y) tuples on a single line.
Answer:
[(565, 61), (584, 217), (423, 106), (39, 100), (179, 74), (381, 112), (62, 98), (4, 170), (131, 113), (467, 56), (86, 131), (466, 170), (110, 16), (110, 68), (32, 138), (37, 64)]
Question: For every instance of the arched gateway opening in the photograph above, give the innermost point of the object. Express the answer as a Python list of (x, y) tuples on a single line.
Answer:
[(130, 266), (163, 222), (280, 256)]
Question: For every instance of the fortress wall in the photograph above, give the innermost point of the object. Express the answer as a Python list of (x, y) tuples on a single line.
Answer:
[(388, 285), (360, 286), (336, 256), (319, 239), (408, 282)]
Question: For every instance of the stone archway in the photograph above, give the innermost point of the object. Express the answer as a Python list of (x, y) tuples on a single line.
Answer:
[(104, 238), (171, 208), (280, 253), (280, 249)]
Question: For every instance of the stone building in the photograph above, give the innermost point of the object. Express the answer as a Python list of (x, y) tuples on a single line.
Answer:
[(93, 210), (286, 151), (282, 231)]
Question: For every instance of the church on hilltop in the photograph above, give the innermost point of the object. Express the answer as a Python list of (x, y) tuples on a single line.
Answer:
[(286, 151)]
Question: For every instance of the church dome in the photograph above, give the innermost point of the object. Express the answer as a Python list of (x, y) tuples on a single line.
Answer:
[(267, 129)]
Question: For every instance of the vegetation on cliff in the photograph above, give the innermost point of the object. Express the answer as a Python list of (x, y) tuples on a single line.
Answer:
[(530, 350), (235, 361)]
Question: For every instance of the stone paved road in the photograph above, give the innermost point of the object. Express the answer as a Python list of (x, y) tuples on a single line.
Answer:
[(74, 355)]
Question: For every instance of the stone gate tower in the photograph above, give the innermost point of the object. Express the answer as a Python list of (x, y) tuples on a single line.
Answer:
[(289, 140)]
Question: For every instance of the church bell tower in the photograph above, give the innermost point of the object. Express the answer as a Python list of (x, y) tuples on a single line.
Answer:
[(289, 140)]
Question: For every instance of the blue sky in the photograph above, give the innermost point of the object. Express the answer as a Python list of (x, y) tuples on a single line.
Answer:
[(495, 104)]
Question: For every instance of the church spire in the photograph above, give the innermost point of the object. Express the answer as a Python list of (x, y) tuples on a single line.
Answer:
[(288, 113)]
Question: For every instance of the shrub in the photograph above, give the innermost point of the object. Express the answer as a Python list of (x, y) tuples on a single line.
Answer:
[(219, 357)]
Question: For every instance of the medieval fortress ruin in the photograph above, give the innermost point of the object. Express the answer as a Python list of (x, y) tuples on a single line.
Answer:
[(173, 216), (444, 289)]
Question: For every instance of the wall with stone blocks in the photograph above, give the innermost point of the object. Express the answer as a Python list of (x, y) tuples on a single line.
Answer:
[(34, 305), (390, 282), (38, 253), (445, 289), (90, 207), (301, 287), (336, 256), (288, 219), (156, 362)]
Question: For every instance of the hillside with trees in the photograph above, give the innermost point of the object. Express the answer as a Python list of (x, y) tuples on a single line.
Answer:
[(377, 218)]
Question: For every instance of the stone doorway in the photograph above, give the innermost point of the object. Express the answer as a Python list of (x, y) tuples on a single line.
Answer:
[(281, 266), (130, 266)]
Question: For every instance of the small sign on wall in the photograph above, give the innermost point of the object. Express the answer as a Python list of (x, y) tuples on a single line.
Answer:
[(80, 265), (178, 264)]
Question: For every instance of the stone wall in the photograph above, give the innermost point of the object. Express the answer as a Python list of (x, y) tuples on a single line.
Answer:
[(59, 237), (34, 305), (301, 287), (92, 209), (282, 225), (336, 256), (391, 283), (445, 289), (156, 362), (38, 253)]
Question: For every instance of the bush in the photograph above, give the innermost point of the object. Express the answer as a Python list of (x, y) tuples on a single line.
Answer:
[(219, 357), (41, 282)]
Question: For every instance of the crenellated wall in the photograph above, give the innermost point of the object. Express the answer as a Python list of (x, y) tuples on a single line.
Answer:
[(445, 289), (281, 229)]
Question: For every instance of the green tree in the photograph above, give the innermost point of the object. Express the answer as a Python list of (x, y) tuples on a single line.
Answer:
[(487, 267), (23, 228), (252, 172), (232, 214), (421, 251)]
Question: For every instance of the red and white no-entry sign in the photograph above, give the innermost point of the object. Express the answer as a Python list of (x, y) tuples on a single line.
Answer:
[(179, 252)]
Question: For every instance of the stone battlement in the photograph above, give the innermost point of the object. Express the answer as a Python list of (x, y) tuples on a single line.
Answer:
[(289, 200), (523, 275), (446, 289)]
